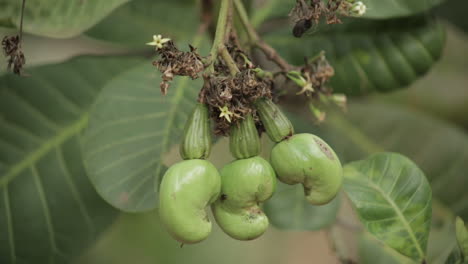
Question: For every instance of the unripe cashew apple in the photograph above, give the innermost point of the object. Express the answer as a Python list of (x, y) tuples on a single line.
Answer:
[(307, 159), (245, 184), (186, 189)]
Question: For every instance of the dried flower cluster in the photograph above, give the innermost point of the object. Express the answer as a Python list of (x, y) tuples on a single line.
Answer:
[(307, 13), (11, 46), (173, 62), (319, 71), (234, 94)]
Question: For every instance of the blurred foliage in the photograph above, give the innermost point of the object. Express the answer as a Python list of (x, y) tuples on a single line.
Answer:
[(455, 12), (55, 18), (135, 23), (50, 211), (289, 210)]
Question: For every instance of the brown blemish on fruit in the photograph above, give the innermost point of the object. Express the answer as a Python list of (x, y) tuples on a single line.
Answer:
[(326, 150), (223, 197)]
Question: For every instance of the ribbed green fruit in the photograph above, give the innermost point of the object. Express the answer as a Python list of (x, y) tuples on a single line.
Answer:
[(186, 189), (244, 141), (307, 159), (277, 125), (196, 141), (245, 184)]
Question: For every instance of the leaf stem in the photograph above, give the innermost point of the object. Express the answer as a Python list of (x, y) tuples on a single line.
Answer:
[(220, 32), (231, 64), (257, 41), (21, 21)]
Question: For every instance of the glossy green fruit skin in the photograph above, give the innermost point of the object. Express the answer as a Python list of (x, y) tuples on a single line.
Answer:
[(244, 141), (196, 141), (186, 189), (245, 184), (277, 125), (241, 223), (307, 159)]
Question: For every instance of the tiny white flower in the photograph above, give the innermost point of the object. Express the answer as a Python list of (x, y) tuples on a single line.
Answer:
[(358, 9), (226, 113), (158, 41)]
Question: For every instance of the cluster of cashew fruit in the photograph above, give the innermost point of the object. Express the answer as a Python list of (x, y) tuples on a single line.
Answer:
[(236, 194)]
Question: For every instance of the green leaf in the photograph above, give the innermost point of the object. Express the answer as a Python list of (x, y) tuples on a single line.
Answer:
[(370, 55), (288, 209), (462, 236), (131, 127), (49, 211), (393, 200), (139, 20), (55, 18), (373, 251)]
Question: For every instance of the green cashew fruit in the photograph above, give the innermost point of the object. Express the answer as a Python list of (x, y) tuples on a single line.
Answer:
[(186, 189), (241, 223), (245, 184), (196, 140), (277, 125), (307, 159), (244, 141)]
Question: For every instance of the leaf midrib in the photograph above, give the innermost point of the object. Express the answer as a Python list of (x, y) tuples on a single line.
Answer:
[(31, 158), (399, 215)]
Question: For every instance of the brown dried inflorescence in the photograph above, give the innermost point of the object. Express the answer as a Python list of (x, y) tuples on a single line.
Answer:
[(306, 13), (319, 71), (237, 93), (11, 46), (173, 62)]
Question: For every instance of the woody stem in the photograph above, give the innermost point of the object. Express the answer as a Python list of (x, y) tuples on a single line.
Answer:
[(21, 21), (220, 32), (256, 41)]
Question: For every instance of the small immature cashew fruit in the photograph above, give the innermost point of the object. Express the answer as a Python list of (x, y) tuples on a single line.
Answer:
[(277, 125), (186, 189), (244, 141), (196, 142), (245, 184), (307, 159)]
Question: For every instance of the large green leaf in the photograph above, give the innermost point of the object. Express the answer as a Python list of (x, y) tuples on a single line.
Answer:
[(131, 127), (393, 200), (55, 18), (288, 209), (139, 20), (49, 211), (370, 55)]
